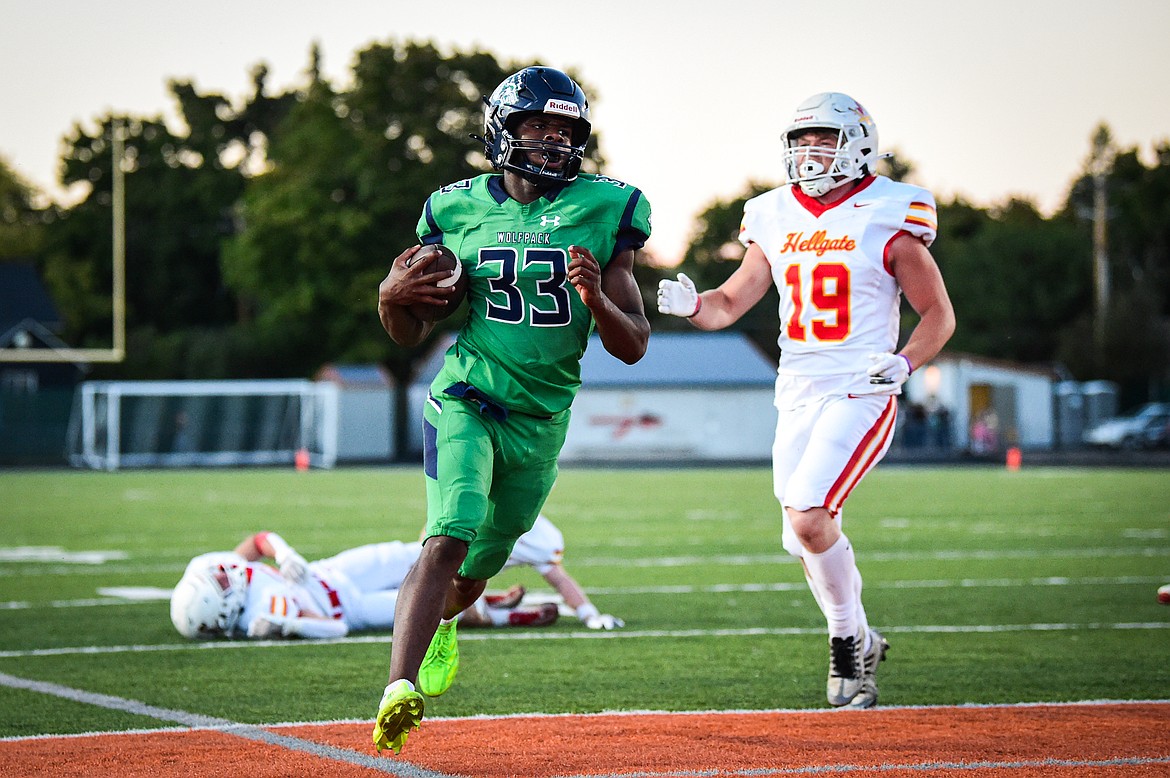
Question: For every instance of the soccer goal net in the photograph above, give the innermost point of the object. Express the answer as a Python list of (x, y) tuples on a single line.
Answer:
[(125, 424)]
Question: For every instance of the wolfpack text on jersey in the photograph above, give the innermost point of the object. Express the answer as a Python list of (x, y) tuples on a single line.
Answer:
[(526, 327)]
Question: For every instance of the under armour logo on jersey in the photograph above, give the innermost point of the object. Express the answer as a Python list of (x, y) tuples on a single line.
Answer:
[(550, 221)]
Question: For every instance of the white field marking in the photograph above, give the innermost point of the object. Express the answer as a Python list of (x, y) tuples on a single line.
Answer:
[(245, 731), (621, 714), (129, 595), (57, 554), (960, 583), (1141, 552), (398, 767), (1005, 706), (729, 560), (588, 634), (847, 769), (136, 593)]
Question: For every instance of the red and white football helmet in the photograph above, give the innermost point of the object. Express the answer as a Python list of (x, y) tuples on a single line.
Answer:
[(855, 154), (207, 601)]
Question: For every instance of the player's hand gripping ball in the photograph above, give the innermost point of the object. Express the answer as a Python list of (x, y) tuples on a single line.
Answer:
[(438, 257)]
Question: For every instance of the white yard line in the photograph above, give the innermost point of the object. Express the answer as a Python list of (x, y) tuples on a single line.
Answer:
[(245, 731), (786, 586), (25, 569), (406, 769), (624, 634)]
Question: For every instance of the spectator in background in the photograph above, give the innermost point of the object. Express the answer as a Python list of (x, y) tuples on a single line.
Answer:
[(914, 432), (940, 427), (985, 433)]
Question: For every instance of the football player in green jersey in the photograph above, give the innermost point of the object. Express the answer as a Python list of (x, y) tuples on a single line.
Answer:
[(549, 253)]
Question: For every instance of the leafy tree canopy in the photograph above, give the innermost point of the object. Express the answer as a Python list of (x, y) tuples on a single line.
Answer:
[(259, 227), (21, 221)]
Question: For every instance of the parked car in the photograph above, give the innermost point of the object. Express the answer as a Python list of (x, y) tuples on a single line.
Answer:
[(1148, 427)]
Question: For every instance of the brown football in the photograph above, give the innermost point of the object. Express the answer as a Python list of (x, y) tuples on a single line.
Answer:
[(438, 257)]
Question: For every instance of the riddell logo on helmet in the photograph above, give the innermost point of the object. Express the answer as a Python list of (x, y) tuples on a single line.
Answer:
[(563, 106)]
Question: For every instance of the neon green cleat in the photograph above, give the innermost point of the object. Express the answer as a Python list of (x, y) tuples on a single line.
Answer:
[(441, 662), (400, 712)]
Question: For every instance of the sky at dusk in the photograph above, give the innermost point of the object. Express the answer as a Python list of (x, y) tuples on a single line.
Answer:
[(987, 100)]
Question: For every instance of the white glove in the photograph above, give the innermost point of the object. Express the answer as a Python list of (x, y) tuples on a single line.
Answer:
[(293, 567), (888, 369), (678, 298), (604, 621), (266, 627), (271, 626)]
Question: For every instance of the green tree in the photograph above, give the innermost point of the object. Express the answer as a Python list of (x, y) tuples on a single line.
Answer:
[(1136, 351), (1015, 278), (22, 222), (349, 173), (712, 256), (179, 193)]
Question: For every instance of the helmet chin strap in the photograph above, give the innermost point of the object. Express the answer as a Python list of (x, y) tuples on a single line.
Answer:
[(819, 186)]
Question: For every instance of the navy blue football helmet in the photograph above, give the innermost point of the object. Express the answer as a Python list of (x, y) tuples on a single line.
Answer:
[(535, 90)]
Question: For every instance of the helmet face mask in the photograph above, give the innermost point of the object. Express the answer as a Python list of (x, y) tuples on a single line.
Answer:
[(854, 155), (208, 602), (536, 90)]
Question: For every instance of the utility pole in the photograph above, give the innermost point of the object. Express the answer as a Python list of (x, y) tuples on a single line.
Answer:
[(1099, 165), (118, 193)]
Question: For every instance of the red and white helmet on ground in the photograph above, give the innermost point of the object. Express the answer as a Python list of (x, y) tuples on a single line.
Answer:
[(855, 155), (207, 602)]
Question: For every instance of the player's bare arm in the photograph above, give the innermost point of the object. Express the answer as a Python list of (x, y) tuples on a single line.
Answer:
[(613, 298), (249, 549), (269, 545), (402, 287), (921, 282), (724, 305)]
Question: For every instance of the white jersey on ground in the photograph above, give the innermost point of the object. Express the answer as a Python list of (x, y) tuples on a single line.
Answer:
[(540, 547), (359, 585)]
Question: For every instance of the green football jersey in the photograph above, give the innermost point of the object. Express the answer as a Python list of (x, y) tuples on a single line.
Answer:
[(526, 327)]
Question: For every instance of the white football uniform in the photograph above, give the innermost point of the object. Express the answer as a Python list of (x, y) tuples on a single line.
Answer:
[(540, 547), (359, 585), (839, 303)]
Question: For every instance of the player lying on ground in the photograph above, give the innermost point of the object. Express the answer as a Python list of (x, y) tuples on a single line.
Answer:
[(236, 594)]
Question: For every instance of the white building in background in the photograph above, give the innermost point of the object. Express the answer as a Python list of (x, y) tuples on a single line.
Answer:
[(692, 397), (366, 413), (707, 397), (993, 404)]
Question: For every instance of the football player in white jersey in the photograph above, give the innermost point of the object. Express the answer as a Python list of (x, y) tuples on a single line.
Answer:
[(543, 549), (842, 245), (236, 594)]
